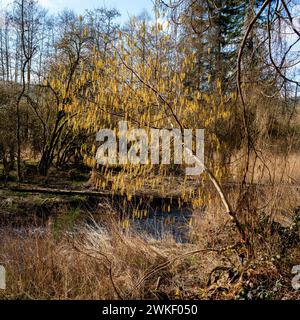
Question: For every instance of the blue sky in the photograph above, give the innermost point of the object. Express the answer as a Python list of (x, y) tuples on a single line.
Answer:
[(125, 7)]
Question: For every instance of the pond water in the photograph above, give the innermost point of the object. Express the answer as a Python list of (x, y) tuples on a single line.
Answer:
[(159, 224), (156, 224)]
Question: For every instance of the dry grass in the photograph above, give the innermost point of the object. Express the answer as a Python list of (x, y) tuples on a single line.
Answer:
[(270, 168), (89, 265), (106, 263)]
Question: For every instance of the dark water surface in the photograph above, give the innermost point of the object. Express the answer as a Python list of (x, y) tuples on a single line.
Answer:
[(159, 224)]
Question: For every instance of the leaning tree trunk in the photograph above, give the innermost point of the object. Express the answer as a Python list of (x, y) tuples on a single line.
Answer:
[(49, 152)]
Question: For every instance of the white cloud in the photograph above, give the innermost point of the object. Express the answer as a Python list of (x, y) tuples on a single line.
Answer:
[(48, 4)]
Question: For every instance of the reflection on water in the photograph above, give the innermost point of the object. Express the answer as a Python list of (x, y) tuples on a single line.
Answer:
[(155, 224), (160, 224)]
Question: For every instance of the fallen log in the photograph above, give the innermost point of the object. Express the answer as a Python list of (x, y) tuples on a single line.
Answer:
[(149, 198), (61, 192)]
